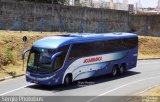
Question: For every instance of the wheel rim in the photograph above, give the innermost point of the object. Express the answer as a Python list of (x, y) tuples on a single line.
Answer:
[(114, 72), (121, 70), (67, 80)]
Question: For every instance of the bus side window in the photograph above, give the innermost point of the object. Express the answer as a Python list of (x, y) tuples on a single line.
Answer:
[(76, 51), (121, 43), (98, 48), (114, 45), (131, 42), (59, 61), (81, 50), (73, 52)]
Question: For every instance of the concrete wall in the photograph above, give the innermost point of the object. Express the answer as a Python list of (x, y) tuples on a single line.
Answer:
[(145, 24), (48, 17)]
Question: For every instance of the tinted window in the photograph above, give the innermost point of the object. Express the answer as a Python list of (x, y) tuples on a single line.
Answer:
[(81, 50), (101, 47), (92, 48), (131, 42), (98, 47), (113, 46), (60, 58)]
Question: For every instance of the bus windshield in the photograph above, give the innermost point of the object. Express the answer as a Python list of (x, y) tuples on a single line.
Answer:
[(40, 60)]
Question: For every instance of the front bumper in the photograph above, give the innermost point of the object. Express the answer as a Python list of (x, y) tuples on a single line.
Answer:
[(42, 80)]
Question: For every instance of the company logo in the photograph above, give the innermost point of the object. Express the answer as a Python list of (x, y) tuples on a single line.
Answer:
[(94, 59)]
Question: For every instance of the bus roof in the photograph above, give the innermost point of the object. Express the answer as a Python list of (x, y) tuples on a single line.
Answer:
[(61, 40)]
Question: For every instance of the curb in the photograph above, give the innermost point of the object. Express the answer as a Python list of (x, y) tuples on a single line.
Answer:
[(150, 59), (2, 80), (10, 77), (147, 89)]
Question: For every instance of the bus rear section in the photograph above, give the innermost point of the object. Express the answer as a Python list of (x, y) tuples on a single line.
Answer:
[(74, 57)]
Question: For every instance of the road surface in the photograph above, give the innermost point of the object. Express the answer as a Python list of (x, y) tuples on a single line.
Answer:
[(145, 75)]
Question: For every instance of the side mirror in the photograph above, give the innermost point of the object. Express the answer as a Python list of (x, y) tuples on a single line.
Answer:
[(24, 52), (54, 56)]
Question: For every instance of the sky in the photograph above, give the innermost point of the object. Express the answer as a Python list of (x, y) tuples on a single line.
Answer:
[(144, 3)]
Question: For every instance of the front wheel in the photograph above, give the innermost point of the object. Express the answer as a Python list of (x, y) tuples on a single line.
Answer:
[(67, 80)]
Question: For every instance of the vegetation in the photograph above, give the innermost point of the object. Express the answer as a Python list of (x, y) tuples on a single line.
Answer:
[(11, 47)]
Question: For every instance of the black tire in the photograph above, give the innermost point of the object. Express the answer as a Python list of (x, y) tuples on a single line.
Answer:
[(68, 80), (122, 69), (114, 71)]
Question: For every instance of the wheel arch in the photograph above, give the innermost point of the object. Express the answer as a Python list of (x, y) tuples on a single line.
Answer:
[(124, 64), (68, 74)]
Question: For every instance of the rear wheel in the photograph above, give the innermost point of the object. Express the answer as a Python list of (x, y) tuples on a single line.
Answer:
[(122, 69), (115, 71), (68, 80)]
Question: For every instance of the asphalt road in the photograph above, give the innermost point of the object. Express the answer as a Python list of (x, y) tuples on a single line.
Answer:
[(144, 76)]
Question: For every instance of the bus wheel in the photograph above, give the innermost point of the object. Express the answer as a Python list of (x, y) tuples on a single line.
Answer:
[(122, 69), (68, 80), (114, 71)]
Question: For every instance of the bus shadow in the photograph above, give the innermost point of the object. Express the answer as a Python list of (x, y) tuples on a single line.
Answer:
[(83, 83)]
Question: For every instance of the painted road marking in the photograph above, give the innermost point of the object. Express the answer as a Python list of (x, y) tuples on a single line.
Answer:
[(98, 95), (16, 89), (134, 82)]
